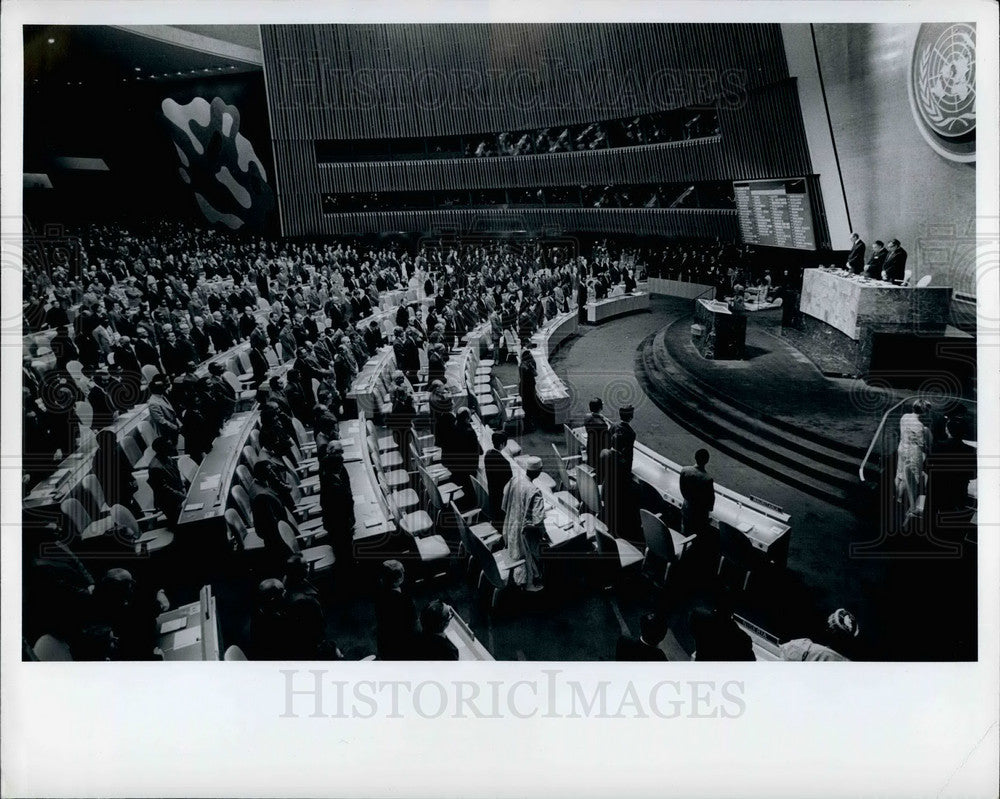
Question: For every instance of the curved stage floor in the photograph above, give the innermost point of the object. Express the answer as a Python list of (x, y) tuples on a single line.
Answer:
[(888, 595), (774, 410)]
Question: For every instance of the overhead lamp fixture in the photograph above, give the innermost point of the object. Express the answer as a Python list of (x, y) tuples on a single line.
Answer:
[(137, 69), (52, 41)]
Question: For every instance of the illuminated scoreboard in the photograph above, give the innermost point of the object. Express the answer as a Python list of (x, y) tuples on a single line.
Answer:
[(775, 213)]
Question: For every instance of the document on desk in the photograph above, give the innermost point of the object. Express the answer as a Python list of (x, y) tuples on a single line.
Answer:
[(230, 427), (210, 482), (187, 636), (172, 625)]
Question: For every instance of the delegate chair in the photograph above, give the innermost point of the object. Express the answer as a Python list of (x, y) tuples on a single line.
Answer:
[(737, 550), (496, 568), (590, 493), (662, 544), (146, 541), (317, 558)]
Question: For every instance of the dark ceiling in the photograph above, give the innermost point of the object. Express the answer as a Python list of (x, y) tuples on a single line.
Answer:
[(94, 54)]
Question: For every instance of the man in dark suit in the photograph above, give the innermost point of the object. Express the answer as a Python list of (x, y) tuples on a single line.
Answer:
[(698, 491), (200, 339), (125, 357), (623, 439), (164, 478), (581, 299), (222, 339), (597, 432), (146, 351), (258, 365), (856, 257), (950, 467), (877, 261), (101, 405), (895, 262), (432, 643), (498, 473), (63, 347), (247, 323), (395, 614), (268, 509), (652, 631), (373, 338)]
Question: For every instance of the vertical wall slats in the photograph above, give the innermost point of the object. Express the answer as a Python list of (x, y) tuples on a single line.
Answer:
[(763, 136)]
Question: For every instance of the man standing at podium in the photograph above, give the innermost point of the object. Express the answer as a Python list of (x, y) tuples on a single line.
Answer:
[(856, 257), (895, 263)]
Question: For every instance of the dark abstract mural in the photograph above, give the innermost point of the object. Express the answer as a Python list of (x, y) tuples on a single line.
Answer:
[(229, 181)]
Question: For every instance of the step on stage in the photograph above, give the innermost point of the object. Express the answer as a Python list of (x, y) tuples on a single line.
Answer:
[(774, 409)]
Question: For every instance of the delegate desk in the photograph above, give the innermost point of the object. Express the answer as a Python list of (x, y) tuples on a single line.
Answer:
[(363, 388), (566, 529), (618, 304), (552, 394), (679, 288), (767, 528), (372, 521), (58, 486), (191, 632), (843, 312), (208, 496), (469, 647)]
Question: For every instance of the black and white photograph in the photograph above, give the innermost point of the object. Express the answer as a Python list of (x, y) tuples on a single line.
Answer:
[(354, 343)]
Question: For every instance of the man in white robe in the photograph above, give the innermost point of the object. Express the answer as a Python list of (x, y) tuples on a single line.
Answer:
[(523, 525)]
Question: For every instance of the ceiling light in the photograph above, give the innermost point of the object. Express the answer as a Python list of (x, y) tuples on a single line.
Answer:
[(52, 41), (137, 69)]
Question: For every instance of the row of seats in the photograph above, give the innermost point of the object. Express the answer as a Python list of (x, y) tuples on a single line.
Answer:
[(302, 526)]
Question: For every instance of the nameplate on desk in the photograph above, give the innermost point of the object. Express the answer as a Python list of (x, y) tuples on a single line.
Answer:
[(193, 507), (766, 504)]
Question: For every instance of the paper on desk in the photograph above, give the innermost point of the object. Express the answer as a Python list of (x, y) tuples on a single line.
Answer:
[(230, 427), (187, 636), (210, 482), (193, 506), (173, 624)]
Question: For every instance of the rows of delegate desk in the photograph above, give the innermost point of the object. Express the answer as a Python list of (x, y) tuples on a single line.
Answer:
[(567, 529), (767, 528)]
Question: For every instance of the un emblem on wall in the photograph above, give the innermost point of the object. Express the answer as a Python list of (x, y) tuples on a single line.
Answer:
[(943, 88)]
